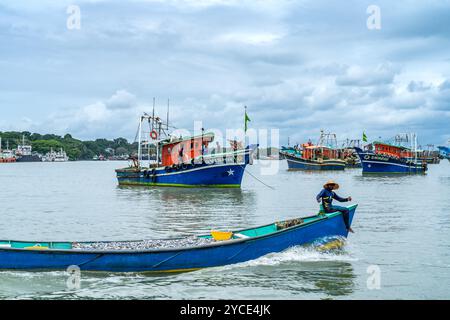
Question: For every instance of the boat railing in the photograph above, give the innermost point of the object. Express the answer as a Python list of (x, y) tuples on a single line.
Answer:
[(237, 156), (241, 156)]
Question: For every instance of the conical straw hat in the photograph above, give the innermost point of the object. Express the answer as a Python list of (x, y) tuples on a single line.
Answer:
[(336, 186)]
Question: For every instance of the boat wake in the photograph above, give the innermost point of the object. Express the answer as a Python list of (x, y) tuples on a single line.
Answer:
[(323, 250)]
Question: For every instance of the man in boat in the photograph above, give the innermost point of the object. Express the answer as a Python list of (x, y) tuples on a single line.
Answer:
[(327, 195)]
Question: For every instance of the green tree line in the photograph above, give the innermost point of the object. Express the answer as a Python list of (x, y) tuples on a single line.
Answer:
[(75, 149)]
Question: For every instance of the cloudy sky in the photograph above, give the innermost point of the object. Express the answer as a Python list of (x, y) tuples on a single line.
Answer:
[(299, 66)]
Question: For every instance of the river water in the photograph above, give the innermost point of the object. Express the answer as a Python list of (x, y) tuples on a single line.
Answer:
[(401, 248)]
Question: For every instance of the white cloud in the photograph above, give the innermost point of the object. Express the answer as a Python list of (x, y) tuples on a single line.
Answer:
[(252, 38), (360, 76), (298, 65), (122, 99)]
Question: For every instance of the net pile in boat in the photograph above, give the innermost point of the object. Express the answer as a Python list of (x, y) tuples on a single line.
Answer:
[(143, 244)]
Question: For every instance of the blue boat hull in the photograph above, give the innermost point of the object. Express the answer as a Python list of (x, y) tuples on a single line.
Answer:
[(177, 260), (374, 163), (297, 163), (199, 175)]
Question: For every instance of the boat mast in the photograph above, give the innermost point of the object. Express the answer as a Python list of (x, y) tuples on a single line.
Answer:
[(140, 141), (168, 104), (415, 149)]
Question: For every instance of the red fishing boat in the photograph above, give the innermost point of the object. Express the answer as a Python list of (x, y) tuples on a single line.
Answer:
[(6, 156)]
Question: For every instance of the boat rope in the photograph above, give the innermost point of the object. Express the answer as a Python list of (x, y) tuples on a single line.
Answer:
[(262, 182)]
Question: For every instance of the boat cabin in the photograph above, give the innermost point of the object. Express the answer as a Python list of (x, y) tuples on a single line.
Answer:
[(312, 152), (392, 150), (183, 150)]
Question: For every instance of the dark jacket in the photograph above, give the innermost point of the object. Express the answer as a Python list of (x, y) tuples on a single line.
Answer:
[(327, 197)]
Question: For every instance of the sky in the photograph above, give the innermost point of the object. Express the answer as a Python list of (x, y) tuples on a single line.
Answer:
[(299, 66)]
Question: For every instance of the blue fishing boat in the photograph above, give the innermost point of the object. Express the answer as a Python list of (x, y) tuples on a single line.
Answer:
[(212, 250), (384, 157), (323, 156), (184, 161), (444, 152)]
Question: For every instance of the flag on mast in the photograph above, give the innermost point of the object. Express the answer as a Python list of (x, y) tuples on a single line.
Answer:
[(364, 137), (247, 119)]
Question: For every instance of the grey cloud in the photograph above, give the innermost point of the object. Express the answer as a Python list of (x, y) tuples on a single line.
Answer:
[(122, 99), (415, 86), (360, 76), (298, 65)]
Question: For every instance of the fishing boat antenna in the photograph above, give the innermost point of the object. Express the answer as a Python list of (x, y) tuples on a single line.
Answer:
[(153, 114), (140, 141), (168, 104)]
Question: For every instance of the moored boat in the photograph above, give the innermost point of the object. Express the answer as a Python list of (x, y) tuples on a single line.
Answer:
[(173, 255), (429, 155), (386, 157), (6, 155), (348, 154), (24, 153), (184, 161), (53, 156), (444, 152), (323, 156)]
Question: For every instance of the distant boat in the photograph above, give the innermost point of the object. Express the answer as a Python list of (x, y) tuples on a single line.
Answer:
[(24, 153), (53, 156), (348, 154), (429, 155), (384, 157), (6, 155), (99, 158), (175, 255), (323, 156), (183, 161), (444, 152)]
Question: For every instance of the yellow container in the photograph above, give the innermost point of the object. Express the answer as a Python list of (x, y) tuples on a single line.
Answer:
[(221, 235), (36, 247)]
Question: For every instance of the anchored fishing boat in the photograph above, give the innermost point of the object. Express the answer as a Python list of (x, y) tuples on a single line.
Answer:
[(6, 155), (218, 248), (53, 156), (444, 152), (183, 161), (322, 156), (385, 157), (348, 154), (429, 155), (24, 153)]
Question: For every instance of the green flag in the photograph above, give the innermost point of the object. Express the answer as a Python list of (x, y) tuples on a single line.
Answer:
[(364, 137), (247, 119)]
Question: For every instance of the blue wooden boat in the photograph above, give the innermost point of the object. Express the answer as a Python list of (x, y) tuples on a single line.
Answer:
[(221, 174), (322, 156), (296, 162), (243, 245), (444, 152), (382, 157), (183, 161)]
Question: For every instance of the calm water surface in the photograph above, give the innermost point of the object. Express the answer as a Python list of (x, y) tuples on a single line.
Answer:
[(402, 226)]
